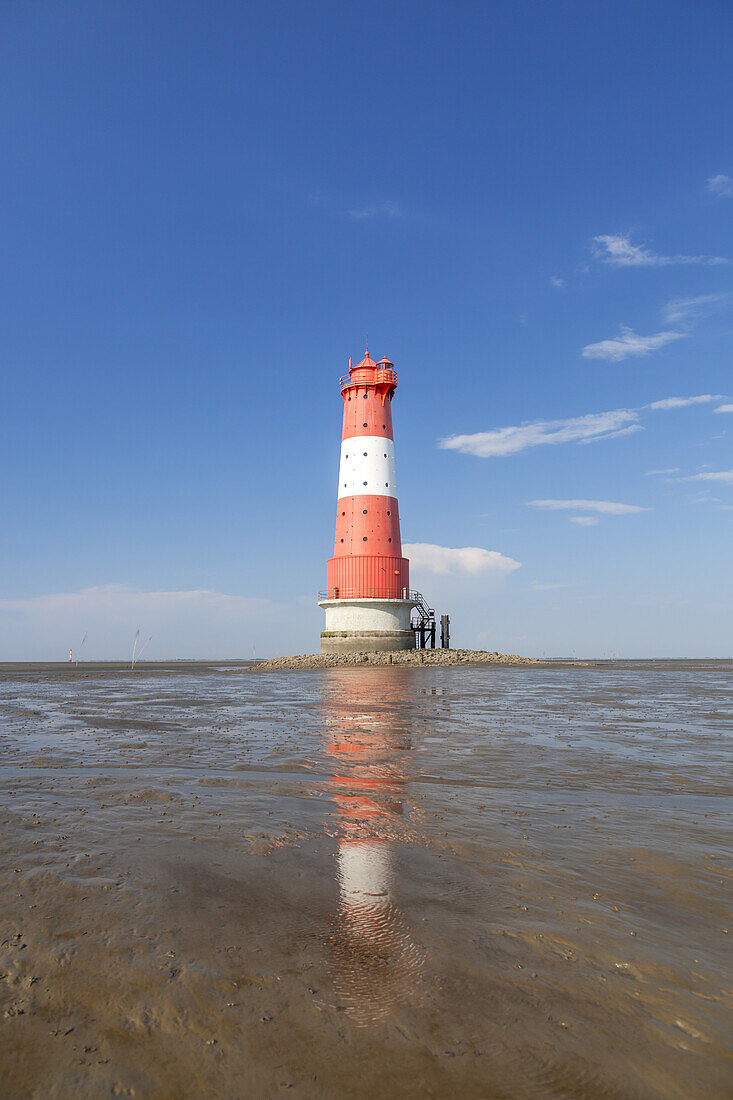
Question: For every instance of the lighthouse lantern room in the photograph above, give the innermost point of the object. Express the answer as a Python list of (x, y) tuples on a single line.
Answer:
[(367, 602)]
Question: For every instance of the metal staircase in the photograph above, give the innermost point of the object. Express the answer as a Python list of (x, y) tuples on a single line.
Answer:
[(422, 621)]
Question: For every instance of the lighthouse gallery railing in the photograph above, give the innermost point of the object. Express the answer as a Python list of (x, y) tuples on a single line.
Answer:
[(416, 598), (384, 375)]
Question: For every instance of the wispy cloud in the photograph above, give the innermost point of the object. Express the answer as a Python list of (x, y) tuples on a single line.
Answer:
[(606, 507), (627, 344), (461, 559), (386, 209), (657, 473), (620, 252), (512, 440), (679, 311), (682, 402), (555, 280), (724, 409), (710, 475), (683, 310), (613, 435), (592, 428), (721, 185), (585, 521)]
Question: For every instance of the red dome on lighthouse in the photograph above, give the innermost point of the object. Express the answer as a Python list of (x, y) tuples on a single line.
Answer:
[(367, 361)]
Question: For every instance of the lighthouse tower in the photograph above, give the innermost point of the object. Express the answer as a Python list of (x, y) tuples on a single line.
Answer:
[(367, 601)]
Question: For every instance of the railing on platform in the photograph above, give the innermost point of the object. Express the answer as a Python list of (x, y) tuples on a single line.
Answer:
[(346, 594), (380, 376)]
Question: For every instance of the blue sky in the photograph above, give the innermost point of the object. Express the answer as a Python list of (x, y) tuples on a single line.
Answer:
[(205, 207)]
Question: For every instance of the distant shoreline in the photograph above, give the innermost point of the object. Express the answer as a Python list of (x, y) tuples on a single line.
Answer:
[(428, 658)]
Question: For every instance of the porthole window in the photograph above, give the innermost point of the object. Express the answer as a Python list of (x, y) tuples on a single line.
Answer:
[(365, 454), (365, 482), (344, 513), (385, 454), (364, 539), (364, 425), (388, 512), (386, 484), (364, 512), (344, 485), (343, 540), (388, 540), (365, 396), (384, 426)]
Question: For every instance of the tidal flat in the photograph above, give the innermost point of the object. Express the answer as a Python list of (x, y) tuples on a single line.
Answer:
[(494, 882)]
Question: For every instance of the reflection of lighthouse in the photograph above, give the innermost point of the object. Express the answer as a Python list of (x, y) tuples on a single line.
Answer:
[(376, 961), (367, 601)]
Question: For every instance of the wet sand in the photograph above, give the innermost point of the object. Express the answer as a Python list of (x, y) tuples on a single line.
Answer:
[(356, 882)]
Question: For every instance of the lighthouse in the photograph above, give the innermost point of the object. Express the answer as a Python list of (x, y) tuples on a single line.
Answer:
[(367, 601)]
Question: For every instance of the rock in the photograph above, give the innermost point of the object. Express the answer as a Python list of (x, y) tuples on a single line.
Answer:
[(411, 657)]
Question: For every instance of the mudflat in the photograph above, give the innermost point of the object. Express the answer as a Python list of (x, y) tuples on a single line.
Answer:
[(499, 881)]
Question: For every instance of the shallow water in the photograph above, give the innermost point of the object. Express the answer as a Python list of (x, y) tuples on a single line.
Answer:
[(485, 882)]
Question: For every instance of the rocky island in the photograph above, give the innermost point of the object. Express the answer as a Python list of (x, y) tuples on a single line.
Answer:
[(395, 657)]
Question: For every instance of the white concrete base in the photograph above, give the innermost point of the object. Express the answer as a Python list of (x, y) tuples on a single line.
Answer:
[(366, 625), (367, 614)]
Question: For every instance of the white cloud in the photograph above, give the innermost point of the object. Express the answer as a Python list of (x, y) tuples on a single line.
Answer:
[(724, 409), (620, 252), (712, 475), (585, 521), (614, 435), (607, 507), (512, 440), (679, 310), (629, 343), (376, 210), (682, 402), (655, 473), (591, 428), (555, 280), (721, 185), (463, 559), (196, 623), (117, 598)]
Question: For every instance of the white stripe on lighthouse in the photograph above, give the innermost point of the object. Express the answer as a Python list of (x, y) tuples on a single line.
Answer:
[(367, 467)]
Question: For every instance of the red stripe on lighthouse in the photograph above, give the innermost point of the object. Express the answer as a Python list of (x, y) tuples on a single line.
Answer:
[(366, 412), (368, 525)]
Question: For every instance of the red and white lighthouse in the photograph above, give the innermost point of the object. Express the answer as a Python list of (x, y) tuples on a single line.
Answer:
[(367, 601)]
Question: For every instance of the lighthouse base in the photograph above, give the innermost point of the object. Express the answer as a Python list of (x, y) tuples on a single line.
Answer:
[(366, 625)]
